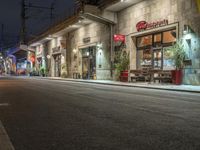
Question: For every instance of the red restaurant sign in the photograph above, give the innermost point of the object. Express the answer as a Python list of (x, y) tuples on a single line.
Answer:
[(119, 38), (143, 25)]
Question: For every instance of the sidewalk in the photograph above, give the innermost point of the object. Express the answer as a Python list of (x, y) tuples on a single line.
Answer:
[(170, 87)]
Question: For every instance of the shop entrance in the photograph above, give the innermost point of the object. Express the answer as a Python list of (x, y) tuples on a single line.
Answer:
[(89, 62), (57, 65)]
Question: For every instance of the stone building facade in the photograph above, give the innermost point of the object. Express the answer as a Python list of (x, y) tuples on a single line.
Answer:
[(56, 57), (178, 13), (94, 36), (86, 49)]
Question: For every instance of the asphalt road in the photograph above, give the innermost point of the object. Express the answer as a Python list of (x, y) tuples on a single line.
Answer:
[(60, 115)]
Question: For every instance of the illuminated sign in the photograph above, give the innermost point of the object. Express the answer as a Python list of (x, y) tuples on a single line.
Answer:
[(86, 40), (39, 51), (32, 59), (119, 38), (143, 25), (56, 50)]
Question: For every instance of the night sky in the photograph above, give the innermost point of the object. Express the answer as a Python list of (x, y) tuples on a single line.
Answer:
[(39, 18)]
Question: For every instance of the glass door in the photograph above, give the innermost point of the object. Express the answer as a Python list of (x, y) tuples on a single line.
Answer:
[(89, 62), (157, 52), (157, 59)]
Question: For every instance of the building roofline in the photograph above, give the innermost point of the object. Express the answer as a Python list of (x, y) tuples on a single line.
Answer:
[(55, 28)]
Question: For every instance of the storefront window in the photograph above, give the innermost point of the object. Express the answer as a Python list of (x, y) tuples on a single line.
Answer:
[(157, 59), (152, 53), (168, 63), (158, 40), (169, 36), (145, 58), (144, 41)]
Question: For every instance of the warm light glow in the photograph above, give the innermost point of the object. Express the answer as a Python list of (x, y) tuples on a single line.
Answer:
[(74, 50), (49, 38)]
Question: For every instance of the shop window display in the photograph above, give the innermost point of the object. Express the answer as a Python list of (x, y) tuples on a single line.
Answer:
[(145, 58), (169, 36), (157, 59), (144, 41), (152, 50), (157, 40), (168, 63)]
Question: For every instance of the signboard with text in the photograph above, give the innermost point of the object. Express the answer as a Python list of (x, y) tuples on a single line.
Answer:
[(39, 51), (143, 25), (56, 50)]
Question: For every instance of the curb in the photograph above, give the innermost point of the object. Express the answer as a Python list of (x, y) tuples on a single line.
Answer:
[(5, 143), (122, 85)]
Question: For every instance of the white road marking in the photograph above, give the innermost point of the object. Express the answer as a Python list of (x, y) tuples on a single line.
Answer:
[(4, 104), (5, 143)]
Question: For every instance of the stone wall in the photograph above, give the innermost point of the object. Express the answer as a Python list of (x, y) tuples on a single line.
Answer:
[(189, 15), (51, 44)]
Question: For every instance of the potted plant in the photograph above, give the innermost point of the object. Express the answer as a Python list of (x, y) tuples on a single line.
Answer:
[(43, 71), (122, 65), (178, 57)]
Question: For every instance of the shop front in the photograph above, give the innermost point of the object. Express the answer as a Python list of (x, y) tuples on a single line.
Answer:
[(56, 53), (40, 61), (153, 57), (89, 56), (89, 62), (30, 63), (152, 49), (151, 30)]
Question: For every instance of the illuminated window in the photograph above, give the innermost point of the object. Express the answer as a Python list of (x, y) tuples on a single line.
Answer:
[(169, 36), (158, 40), (144, 41)]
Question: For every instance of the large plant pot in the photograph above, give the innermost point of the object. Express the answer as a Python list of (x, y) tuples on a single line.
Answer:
[(177, 77), (124, 76)]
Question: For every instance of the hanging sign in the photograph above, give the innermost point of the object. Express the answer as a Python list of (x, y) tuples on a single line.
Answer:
[(86, 40), (119, 38), (56, 50), (143, 25)]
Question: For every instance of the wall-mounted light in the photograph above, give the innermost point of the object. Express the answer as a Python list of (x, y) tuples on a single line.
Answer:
[(99, 46), (187, 29), (48, 38), (48, 56), (74, 50)]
